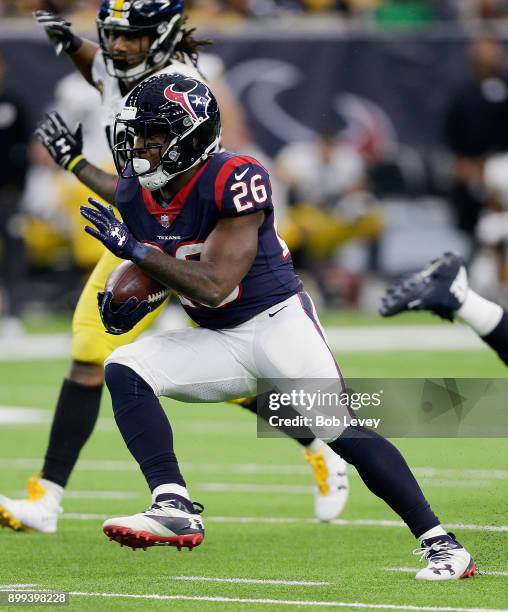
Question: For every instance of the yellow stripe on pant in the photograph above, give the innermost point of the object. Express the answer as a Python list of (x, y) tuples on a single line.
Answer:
[(90, 342)]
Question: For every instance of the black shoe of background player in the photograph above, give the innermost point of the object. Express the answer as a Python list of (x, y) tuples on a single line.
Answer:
[(441, 288)]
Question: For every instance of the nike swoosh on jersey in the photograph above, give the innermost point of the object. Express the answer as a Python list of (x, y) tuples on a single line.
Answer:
[(240, 176)]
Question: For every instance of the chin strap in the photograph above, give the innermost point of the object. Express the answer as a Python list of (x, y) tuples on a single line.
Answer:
[(155, 180)]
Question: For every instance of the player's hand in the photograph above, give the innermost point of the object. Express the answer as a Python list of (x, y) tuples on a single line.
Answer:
[(58, 31), (123, 319), (64, 146), (113, 234)]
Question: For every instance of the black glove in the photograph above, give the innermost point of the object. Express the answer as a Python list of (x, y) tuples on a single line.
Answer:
[(123, 319), (65, 147), (58, 31)]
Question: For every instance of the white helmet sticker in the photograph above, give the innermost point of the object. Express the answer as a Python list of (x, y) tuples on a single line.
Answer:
[(128, 113)]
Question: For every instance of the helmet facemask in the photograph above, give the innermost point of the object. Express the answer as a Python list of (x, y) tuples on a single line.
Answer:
[(136, 66), (169, 156)]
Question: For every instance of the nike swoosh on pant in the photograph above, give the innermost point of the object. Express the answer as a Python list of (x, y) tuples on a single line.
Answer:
[(272, 314)]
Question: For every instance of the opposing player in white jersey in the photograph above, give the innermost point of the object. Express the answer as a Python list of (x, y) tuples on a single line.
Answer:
[(136, 39)]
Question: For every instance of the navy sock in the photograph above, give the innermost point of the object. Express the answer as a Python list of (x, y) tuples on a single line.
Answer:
[(144, 426), (73, 422), (387, 475), (498, 338)]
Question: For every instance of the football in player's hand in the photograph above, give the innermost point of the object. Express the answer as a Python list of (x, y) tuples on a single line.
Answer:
[(128, 280)]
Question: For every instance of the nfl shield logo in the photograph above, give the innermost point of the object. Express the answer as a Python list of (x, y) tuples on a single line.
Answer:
[(165, 221)]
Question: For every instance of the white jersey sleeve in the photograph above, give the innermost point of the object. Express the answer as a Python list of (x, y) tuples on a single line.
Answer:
[(99, 72), (184, 68), (78, 102), (211, 66)]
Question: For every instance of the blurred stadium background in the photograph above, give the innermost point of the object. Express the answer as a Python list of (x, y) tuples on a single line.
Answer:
[(385, 126), (384, 123)]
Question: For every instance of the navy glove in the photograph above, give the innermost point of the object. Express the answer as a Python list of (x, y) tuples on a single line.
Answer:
[(123, 319), (113, 234), (64, 146), (58, 31)]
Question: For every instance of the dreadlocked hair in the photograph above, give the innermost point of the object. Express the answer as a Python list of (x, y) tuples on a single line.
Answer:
[(190, 46)]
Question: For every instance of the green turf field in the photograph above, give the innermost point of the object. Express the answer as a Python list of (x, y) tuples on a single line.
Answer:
[(258, 511)]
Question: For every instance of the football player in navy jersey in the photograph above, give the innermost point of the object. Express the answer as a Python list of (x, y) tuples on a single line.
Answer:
[(137, 39), (218, 248)]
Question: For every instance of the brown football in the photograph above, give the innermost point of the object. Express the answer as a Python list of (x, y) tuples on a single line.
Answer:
[(128, 280)]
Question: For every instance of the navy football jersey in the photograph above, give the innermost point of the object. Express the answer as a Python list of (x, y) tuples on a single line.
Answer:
[(227, 185)]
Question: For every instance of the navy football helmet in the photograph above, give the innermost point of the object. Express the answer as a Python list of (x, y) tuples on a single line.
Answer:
[(176, 119), (161, 20)]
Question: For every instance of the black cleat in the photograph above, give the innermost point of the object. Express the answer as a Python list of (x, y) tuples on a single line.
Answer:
[(441, 288)]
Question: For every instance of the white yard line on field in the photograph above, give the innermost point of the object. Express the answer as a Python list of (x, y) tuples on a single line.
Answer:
[(412, 570), (415, 569), (283, 469), (95, 494), (280, 602), (80, 516), (278, 489), (487, 474), (86, 465), (346, 339), (15, 415), (226, 487), (286, 520), (284, 602), (37, 346), (250, 581), (402, 338)]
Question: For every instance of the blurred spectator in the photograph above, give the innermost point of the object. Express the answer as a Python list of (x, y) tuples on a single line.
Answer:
[(481, 9), (52, 197), (492, 9), (492, 229), (329, 206), (45, 228), (386, 12), (396, 12), (13, 138), (26, 7), (224, 9), (202, 11), (343, 6), (321, 171), (476, 126), (409, 12)]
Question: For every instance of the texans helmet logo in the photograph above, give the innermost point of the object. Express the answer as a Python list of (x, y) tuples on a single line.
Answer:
[(189, 101)]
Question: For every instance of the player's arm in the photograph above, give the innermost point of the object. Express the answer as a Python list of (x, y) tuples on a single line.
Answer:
[(80, 51), (66, 148), (83, 59), (227, 255), (100, 182)]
